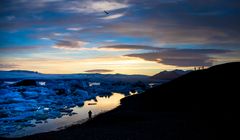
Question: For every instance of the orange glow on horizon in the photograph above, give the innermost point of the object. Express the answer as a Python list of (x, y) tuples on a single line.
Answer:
[(120, 64)]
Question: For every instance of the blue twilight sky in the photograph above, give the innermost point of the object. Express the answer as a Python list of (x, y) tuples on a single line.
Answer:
[(136, 37)]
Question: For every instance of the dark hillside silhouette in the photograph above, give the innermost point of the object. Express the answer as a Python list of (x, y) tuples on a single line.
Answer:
[(213, 88), (201, 105), (169, 75)]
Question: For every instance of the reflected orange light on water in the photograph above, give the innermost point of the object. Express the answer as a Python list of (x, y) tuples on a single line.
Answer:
[(102, 105)]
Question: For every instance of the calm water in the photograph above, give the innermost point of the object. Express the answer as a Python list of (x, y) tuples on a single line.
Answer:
[(102, 104)]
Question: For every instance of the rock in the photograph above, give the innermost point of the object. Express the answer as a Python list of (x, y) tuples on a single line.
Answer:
[(82, 93), (66, 110), (40, 115), (26, 83), (80, 103), (3, 114), (30, 94), (53, 114), (60, 91), (38, 121)]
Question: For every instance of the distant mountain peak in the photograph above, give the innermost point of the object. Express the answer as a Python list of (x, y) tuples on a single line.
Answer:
[(24, 71), (169, 75)]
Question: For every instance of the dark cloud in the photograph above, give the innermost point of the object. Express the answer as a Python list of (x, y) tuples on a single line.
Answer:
[(69, 44), (176, 23), (173, 56), (185, 22), (15, 49), (170, 32), (99, 71), (181, 57), (55, 13), (167, 21), (8, 66), (131, 47)]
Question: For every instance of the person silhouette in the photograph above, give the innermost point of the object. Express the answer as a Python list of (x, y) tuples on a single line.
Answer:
[(90, 114)]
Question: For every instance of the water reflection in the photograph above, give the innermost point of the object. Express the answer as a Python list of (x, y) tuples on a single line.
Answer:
[(99, 105)]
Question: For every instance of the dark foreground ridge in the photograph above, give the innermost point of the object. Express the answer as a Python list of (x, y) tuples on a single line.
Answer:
[(201, 105)]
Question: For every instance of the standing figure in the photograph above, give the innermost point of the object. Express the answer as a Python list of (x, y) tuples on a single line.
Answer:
[(90, 114)]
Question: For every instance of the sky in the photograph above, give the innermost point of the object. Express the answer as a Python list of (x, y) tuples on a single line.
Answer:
[(135, 37)]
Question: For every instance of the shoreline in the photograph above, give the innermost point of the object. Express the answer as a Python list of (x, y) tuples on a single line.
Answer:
[(171, 111), (80, 116)]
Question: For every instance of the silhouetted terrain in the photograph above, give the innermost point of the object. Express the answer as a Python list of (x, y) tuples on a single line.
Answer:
[(200, 105), (169, 75)]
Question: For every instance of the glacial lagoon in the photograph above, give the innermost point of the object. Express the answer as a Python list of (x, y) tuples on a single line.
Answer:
[(79, 115)]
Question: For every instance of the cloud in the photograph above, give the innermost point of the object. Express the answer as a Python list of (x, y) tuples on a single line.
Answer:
[(110, 40), (50, 0), (15, 49), (64, 13), (128, 47), (35, 4), (173, 56), (60, 34), (10, 18), (8, 66), (45, 38), (81, 45), (174, 23), (74, 29), (99, 71), (70, 44), (92, 6), (164, 21), (115, 16), (181, 57), (164, 31)]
